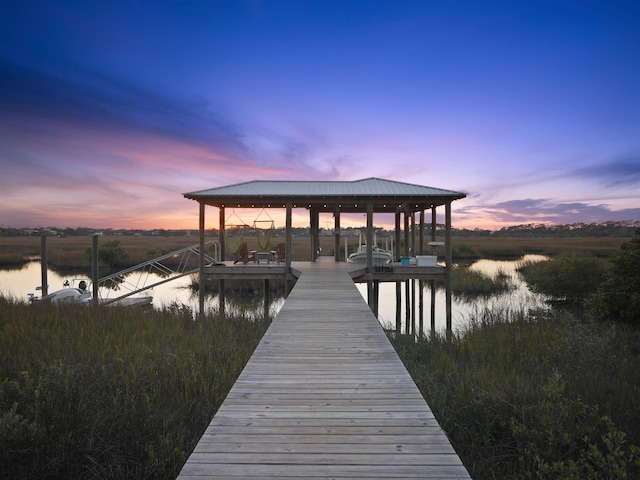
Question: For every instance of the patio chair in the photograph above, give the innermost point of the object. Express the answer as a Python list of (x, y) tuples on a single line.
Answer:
[(244, 255), (281, 253)]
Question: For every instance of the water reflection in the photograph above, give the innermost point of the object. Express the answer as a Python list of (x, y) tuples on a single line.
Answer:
[(463, 308)]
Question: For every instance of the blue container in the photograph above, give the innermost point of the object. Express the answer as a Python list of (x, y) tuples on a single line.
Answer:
[(405, 261)]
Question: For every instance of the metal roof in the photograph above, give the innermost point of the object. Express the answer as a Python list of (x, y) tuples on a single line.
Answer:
[(387, 195)]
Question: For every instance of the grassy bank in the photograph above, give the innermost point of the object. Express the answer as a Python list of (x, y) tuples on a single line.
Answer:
[(507, 247), (111, 393), (534, 397)]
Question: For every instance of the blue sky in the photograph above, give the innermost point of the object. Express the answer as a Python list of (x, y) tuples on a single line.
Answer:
[(111, 110)]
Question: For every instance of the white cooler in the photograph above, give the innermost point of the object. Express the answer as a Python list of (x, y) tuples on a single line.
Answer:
[(427, 260)]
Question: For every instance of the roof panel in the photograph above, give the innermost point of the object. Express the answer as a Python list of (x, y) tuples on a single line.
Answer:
[(290, 188)]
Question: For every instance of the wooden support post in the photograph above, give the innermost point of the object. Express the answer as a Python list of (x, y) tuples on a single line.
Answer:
[(221, 223), (314, 221), (406, 233), (201, 289), (223, 251), (346, 249), (94, 268), (222, 298), (421, 303), (267, 298), (433, 282), (375, 302), (413, 306), (397, 232), (449, 263), (369, 236), (336, 234), (370, 251), (398, 307), (413, 233), (421, 235), (288, 248), (44, 282), (407, 315), (433, 306)]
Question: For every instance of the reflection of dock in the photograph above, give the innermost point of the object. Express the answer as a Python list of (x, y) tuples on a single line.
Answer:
[(323, 396)]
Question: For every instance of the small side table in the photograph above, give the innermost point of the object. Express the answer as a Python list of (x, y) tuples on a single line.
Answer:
[(263, 256)]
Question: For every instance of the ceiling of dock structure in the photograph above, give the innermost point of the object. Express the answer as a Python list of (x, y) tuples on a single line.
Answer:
[(327, 196)]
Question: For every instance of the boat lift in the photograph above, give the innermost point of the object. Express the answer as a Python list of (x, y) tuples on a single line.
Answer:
[(187, 260)]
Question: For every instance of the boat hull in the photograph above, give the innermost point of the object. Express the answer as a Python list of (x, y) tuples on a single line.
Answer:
[(379, 258)]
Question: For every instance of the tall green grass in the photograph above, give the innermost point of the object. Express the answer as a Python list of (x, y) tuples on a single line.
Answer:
[(534, 396), (109, 392)]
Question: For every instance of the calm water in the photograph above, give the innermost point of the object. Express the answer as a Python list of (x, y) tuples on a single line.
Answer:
[(19, 283), (462, 310)]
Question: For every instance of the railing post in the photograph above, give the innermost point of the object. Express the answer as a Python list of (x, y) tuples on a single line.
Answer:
[(44, 285), (94, 267), (201, 263), (449, 262)]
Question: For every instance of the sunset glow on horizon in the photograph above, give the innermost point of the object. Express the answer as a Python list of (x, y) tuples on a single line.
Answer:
[(110, 111)]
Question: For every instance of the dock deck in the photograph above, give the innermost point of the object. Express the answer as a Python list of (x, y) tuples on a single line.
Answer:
[(324, 396)]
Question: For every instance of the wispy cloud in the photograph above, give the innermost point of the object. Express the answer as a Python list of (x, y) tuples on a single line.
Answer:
[(622, 171), (542, 210), (94, 99), (104, 121)]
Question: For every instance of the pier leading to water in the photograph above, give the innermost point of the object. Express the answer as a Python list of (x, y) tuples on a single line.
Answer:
[(324, 396)]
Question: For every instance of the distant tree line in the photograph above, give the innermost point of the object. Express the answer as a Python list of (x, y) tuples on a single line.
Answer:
[(624, 228), (606, 229)]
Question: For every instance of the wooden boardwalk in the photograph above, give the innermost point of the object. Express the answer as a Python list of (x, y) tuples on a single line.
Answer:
[(324, 396)]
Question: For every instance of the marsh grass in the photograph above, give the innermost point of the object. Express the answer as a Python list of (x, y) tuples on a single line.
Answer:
[(534, 396), (468, 284), (13, 260), (512, 248), (568, 278), (109, 392)]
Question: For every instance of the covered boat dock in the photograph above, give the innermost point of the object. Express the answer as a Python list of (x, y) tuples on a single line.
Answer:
[(368, 196)]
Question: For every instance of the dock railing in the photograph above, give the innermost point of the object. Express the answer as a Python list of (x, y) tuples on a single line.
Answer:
[(168, 267)]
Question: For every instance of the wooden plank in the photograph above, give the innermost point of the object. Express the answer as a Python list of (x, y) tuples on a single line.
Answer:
[(324, 396)]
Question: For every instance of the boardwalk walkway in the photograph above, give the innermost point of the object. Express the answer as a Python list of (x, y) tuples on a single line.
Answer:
[(324, 396)]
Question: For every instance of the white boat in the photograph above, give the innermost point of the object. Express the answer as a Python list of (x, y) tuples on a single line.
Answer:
[(66, 295), (82, 295), (379, 255)]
